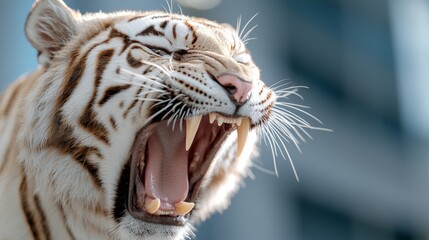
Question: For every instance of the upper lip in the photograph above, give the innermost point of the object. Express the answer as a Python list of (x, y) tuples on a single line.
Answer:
[(196, 172)]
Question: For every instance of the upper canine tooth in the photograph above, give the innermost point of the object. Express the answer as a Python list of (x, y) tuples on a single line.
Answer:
[(220, 121), (212, 117), (192, 125), (242, 133), (152, 205), (183, 208)]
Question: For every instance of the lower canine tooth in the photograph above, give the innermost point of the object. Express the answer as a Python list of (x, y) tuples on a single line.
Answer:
[(183, 208), (152, 205), (242, 132)]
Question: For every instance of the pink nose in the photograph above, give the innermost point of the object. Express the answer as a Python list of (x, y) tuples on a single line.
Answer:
[(236, 87)]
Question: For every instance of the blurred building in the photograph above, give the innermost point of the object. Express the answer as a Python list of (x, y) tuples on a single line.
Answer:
[(366, 63)]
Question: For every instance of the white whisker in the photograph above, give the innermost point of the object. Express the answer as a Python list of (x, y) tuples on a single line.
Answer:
[(297, 108), (246, 41), (147, 79), (246, 38), (180, 9), (264, 170), (287, 123), (163, 7), (161, 68), (237, 28), (149, 99), (246, 25)]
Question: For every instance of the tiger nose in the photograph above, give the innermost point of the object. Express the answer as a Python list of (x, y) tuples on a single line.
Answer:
[(237, 88)]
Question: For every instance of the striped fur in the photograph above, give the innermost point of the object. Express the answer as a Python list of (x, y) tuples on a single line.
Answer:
[(67, 129)]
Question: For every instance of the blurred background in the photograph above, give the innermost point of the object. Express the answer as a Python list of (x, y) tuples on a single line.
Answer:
[(366, 63)]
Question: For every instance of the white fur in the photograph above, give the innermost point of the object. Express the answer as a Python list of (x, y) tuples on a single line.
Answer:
[(60, 179)]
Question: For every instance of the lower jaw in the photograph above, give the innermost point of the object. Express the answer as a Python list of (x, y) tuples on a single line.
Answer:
[(160, 219), (195, 181)]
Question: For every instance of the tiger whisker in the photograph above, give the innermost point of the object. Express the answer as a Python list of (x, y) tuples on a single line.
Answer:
[(146, 87), (180, 8), (159, 95), (237, 27), (285, 129), (246, 25), (169, 5), (287, 124), (297, 108), (249, 39), (290, 119), (173, 109), (246, 38), (273, 139), (163, 7), (155, 115), (264, 170), (279, 84), (170, 103), (173, 116), (161, 102), (268, 140), (144, 78), (161, 68), (149, 99), (290, 114)]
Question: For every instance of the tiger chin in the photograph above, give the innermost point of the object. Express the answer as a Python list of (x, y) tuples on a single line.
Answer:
[(137, 125)]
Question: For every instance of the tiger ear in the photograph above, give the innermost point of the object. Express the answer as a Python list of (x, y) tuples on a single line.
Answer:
[(50, 25)]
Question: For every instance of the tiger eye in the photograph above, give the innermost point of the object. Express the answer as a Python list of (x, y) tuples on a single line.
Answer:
[(178, 55)]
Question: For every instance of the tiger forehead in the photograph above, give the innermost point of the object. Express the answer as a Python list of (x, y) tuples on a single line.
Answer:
[(181, 31)]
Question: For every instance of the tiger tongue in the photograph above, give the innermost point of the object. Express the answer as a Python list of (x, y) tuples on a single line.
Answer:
[(166, 175)]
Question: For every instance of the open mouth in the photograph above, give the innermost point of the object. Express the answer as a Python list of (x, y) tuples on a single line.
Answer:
[(169, 163)]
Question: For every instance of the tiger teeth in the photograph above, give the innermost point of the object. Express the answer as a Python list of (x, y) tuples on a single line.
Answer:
[(183, 208), (212, 117), (192, 125), (152, 205), (242, 124), (239, 121), (220, 121), (242, 132)]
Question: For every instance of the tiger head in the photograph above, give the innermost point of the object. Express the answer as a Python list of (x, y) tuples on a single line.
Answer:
[(142, 123)]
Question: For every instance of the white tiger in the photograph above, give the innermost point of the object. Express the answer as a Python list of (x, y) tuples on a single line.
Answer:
[(136, 125)]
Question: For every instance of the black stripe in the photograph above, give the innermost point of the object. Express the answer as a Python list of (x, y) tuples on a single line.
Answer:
[(133, 104), (112, 122), (60, 207), (122, 191), (126, 40), (164, 24), (194, 34), (42, 217), (88, 119), (26, 208), (135, 18), (174, 31), (132, 61), (150, 31), (81, 156), (112, 91)]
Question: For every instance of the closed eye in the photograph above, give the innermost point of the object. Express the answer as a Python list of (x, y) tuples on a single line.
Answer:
[(159, 51), (242, 58)]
